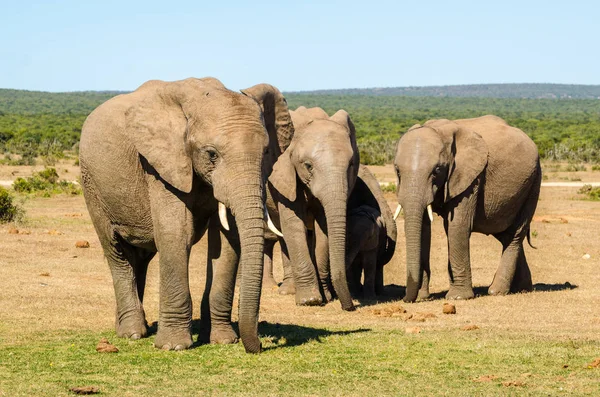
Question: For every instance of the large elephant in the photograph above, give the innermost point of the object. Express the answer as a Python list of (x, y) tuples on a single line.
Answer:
[(156, 164), (308, 189), (481, 175)]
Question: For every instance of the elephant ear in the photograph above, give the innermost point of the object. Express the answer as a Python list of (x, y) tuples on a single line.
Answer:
[(276, 114), (343, 118), (158, 125), (283, 177), (470, 157)]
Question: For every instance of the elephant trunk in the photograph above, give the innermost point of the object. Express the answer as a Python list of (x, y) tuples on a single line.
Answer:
[(248, 207), (335, 206), (413, 226)]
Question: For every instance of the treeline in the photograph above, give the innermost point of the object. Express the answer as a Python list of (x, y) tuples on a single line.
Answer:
[(42, 124), (548, 91)]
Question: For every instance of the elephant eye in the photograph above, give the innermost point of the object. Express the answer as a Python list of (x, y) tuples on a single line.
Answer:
[(212, 155), (437, 170), (308, 166)]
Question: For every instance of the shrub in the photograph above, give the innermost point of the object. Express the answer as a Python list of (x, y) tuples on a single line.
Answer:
[(389, 187), (596, 167), (592, 193), (574, 167), (9, 211), (45, 182)]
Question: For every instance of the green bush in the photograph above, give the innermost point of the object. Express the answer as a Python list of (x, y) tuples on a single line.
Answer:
[(389, 188), (574, 167), (592, 193), (596, 167), (9, 210), (46, 183)]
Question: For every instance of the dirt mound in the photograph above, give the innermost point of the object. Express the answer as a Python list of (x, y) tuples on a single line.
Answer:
[(82, 244), (104, 346), (84, 390), (393, 310), (448, 308)]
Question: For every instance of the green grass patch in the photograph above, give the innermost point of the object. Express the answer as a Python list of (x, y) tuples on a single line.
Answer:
[(305, 361), (590, 192), (45, 183), (389, 187)]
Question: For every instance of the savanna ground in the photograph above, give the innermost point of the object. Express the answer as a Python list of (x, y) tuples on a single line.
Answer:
[(57, 302)]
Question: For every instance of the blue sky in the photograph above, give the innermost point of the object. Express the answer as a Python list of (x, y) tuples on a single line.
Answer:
[(297, 45)]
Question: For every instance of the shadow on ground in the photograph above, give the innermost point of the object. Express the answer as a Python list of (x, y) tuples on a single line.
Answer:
[(395, 292), (289, 335), (282, 335)]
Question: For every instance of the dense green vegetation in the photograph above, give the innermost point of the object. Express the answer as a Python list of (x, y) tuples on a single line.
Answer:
[(9, 210), (45, 183), (552, 91), (44, 124)]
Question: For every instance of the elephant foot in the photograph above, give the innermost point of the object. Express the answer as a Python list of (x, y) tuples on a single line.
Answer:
[(169, 338), (309, 297), (460, 293), (423, 295), (287, 287), (499, 288), (224, 335), (269, 284), (133, 327)]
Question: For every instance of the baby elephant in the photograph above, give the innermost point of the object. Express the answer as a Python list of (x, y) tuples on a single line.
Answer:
[(366, 238)]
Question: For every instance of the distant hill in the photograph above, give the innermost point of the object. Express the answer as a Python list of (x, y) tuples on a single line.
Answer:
[(532, 91)]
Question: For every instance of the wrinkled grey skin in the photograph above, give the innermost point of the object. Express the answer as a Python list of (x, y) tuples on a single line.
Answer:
[(480, 175), (224, 245), (372, 234), (366, 232), (155, 163), (310, 186)]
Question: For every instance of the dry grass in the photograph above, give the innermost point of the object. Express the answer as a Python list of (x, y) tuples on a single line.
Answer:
[(54, 295)]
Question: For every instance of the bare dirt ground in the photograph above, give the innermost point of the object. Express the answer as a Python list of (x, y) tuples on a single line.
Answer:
[(47, 283)]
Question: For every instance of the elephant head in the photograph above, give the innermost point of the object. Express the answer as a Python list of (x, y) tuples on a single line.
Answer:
[(196, 132), (322, 161), (435, 163)]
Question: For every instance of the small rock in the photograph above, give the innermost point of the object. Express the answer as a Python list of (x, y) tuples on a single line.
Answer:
[(564, 220), (45, 274), (470, 327), (82, 244), (449, 308), (104, 346), (565, 366), (413, 330), (586, 256), (13, 230), (54, 232), (85, 390)]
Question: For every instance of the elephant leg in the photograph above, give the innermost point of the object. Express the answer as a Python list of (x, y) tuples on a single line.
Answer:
[(268, 279), (379, 288), (459, 262), (173, 229), (303, 269), (287, 287), (423, 293), (222, 266), (369, 264), (513, 274), (128, 266), (321, 256)]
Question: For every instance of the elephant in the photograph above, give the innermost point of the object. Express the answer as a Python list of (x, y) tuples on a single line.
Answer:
[(372, 234), (156, 165), (366, 233), (308, 188), (480, 175)]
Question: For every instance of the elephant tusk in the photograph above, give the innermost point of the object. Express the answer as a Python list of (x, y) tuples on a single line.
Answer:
[(430, 213), (223, 216), (270, 224), (397, 211)]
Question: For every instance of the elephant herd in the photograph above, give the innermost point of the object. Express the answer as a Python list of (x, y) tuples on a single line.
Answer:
[(165, 164)]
